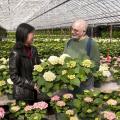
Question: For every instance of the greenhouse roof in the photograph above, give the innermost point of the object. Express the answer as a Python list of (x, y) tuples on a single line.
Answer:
[(44, 14)]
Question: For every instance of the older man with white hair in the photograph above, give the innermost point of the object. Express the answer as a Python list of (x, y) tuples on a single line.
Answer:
[(83, 47)]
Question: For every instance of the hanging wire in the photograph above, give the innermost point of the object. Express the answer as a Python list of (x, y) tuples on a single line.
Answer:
[(48, 10)]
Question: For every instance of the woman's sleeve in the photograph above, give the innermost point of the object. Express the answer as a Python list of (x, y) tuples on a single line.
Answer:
[(14, 61)]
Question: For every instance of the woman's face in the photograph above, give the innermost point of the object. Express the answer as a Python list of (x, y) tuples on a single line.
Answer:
[(30, 37)]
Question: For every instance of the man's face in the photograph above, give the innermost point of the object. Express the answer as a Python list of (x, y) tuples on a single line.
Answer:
[(77, 31)]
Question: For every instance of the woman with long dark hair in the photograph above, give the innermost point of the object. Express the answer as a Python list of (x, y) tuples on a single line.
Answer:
[(22, 59)]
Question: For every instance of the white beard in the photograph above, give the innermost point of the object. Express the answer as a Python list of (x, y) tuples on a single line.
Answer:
[(76, 37)]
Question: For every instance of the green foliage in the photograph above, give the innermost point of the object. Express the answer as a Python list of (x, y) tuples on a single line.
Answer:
[(56, 47), (5, 81), (91, 104), (61, 73)]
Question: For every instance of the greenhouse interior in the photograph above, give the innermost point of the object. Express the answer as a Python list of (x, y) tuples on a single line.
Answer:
[(59, 59)]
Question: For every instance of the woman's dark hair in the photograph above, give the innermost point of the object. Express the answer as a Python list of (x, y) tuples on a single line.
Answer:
[(22, 33)]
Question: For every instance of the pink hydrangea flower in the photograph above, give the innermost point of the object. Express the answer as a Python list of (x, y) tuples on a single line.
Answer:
[(2, 113), (55, 98), (40, 105), (108, 59), (118, 59), (28, 108), (109, 115)]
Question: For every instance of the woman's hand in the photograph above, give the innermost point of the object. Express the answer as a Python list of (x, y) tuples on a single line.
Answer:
[(36, 88)]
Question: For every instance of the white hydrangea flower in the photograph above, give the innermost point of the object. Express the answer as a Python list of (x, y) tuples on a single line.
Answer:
[(15, 108), (71, 64), (88, 99), (64, 72), (70, 112), (9, 81), (71, 77), (49, 76), (43, 60), (103, 67), (60, 103), (38, 68), (87, 63), (57, 40), (53, 60), (8, 60), (62, 58), (114, 70), (3, 67), (2, 83), (68, 96), (106, 73), (112, 102), (61, 61), (64, 39), (3, 60)]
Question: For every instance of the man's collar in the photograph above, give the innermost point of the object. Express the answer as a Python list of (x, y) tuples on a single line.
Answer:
[(83, 38)]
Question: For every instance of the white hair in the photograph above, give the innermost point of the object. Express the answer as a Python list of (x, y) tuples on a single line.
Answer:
[(82, 24)]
